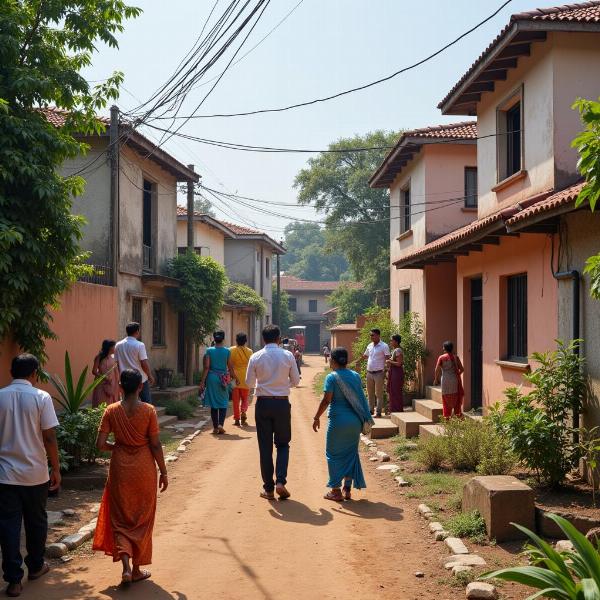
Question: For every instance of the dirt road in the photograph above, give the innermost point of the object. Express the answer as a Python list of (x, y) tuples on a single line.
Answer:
[(215, 538)]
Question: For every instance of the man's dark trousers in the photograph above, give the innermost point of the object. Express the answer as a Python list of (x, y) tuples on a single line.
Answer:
[(273, 424), (26, 502)]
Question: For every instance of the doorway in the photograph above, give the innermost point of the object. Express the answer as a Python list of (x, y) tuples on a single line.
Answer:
[(476, 342), (312, 341)]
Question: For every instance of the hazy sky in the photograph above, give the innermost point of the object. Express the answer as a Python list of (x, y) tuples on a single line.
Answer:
[(325, 46)]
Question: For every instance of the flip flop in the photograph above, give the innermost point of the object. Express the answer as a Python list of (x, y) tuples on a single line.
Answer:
[(145, 575), (267, 495), (40, 573), (126, 579), (347, 493)]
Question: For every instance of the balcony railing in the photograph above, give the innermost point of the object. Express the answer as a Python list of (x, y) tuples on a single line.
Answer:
[(102, 275)]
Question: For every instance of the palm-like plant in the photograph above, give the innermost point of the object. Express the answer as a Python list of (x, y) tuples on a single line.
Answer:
[(70, 395), (571, 575)]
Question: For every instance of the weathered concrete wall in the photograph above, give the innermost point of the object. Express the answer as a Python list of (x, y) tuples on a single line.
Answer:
[(583, 235), (94, 204), (210, 241), (344, 338), (87, 315), (529, 254), (240, 262)]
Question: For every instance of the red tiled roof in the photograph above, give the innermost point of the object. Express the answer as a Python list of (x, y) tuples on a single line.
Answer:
[(409, 143), (291, 283), (58, 116), (584, 12), (491, 224), (553, 202), (242, 229)]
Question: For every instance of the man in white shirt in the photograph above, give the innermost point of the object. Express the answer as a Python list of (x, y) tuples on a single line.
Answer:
[(130, 353), (376, 353), (272, 371), (27, 442)]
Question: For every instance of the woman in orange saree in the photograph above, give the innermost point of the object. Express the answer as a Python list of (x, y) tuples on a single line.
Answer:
[(128, 507)]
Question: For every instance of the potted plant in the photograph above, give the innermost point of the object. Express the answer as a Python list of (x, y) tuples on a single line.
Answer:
[(163, 377)]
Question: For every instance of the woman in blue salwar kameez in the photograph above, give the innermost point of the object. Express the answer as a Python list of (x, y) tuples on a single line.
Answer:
[(349, 414)]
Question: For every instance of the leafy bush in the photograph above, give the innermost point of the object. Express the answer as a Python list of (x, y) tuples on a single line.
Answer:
[(76, 434), (497, 457), (432, 452), (467, 525), (411, 330), (464, 443), (182, 409), (536, 424), (566, 575), (239, 294)]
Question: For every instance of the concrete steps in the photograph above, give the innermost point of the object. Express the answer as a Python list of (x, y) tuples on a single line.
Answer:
[(428, 408), (164, 419), (383, 428), (434, 392), (408, 423), (433, 430)]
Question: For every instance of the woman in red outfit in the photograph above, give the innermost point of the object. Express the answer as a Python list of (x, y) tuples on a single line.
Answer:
[(449, 369)]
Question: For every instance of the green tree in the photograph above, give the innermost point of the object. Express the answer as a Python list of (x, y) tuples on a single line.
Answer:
[(307, 254), (350, 302), (240, 294), (43, 47), (204, 205), (201, 295), (588, 146), (285, 318), (356, 216)]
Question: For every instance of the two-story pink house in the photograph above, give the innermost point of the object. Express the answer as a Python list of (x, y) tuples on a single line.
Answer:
[(521, 89), (432, 177)]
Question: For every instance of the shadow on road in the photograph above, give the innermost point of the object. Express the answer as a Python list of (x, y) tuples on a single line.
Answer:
[(143, 589), (293, 511), (365, 509)]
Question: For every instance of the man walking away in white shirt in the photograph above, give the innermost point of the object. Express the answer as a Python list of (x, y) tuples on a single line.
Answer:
[(27, 443), (272, 371), (376, 353), (130, 353)]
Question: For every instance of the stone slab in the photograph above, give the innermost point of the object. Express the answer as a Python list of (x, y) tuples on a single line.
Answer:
[(464, 560), (435, 526), (76, 539), (383, 456), (461, 569), (433, 430), (564, 546), (408, 423), (56, 550), (388, 467), (478, 590), (456, 545), (501, 500), (548, 528), (55, 517)]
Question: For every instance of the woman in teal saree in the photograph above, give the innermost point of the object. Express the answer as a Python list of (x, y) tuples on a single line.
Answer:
[(348, 415)]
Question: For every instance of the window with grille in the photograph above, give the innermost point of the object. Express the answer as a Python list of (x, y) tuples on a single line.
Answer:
[(470, 187), (509, 141), (147, 218), (516, 290), (267, 268), (312, 306), (292, 302), (405, 210), (136, 310), (404, 302), (158, 337)]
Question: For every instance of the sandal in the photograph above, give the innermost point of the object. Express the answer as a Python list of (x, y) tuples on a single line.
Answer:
[(335, 496), (347, 493), (126, 578), (215, 430), (33, 576), (221, 430), (144, 575), (267, 495)]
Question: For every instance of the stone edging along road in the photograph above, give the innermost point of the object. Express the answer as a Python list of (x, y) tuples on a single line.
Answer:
[(66, 543)]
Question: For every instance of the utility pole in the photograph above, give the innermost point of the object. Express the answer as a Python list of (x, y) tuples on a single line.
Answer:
[(113, 140), (189, 344), (278, 304)]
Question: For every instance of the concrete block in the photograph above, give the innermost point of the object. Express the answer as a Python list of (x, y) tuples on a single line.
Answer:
[(435, 526), (56, 550), (383, 428), (464, 560), (501, 499), (408, 423), (433, 430), (383, 456), (76, 539), (456, 545), (429, 408)]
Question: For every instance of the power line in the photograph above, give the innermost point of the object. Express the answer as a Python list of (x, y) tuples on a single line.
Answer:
[(355, 89)]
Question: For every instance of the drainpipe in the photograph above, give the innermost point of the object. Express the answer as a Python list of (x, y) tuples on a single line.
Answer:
[(575, 277), (113, 138)]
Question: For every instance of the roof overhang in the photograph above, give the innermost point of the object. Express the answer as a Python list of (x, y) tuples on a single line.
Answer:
[(501, 56), (261, 237), (404, 151), (160, 281), (148, 150)]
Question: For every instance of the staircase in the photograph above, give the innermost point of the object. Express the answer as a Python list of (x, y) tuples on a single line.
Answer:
[(425, 414), (164, 419)]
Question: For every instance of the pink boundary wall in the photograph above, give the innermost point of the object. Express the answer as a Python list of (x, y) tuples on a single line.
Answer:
[(87, 315), (529, 253)]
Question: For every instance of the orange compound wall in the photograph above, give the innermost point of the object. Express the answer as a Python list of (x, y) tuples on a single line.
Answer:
[(87, 315)]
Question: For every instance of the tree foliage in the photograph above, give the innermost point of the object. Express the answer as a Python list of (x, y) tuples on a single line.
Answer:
[(240, 294), (43, 47), (357, 216), (588, 146), (350, 302), (201, 294), (308, 256), (285, 318)]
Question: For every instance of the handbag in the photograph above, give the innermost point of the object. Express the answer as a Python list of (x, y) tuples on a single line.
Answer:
[(225, 379)]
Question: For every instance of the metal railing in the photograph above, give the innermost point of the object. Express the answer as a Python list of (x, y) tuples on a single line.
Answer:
[(102, 275), (147, 260)]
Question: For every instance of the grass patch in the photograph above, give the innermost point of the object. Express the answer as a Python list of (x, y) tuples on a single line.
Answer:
[(432, 484), (468, 525), (182, 409), (319, 380), (403, 448), (455, 503), (170, 444)]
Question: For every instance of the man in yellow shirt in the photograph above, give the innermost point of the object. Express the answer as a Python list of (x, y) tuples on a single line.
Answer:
[(240, 355)]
